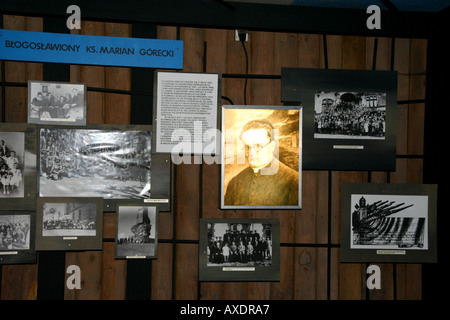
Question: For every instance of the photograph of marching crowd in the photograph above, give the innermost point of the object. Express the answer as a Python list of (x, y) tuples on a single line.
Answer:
[(50, 102), (349, 115), (69, 219), (11, 164), (239, 244), (112, 164), (14, 232)]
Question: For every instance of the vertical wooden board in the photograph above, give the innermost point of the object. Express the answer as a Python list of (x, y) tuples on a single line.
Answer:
[(235, 291), (166, 32), (162, 268), (378, 53), (311, 222), (399, 175), (90, 264), (351, 283), (308, 48), (233, 88), (285, 51), (414, 171), (109, 225), (284, 289), (118, 106), (334, 44), (334, 273), (353, 52), (402, 129), (258, 290), (216, 50), (15, 97), (386, 290), (193, 49), (402, 66), (311, 273), (211, 291), (19, 282), (409, 281), (94, 76), (187, 201), (416, 128), (338, 178), (211, 180), (186, 272), (113, 274)]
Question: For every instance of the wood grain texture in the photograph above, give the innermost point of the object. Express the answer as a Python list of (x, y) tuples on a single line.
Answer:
[(310, 237)]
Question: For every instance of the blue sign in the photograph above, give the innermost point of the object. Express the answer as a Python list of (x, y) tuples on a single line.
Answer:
[(90, 50)]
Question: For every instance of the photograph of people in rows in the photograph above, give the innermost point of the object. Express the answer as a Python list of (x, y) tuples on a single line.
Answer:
[(238, 245), (11, 177), (14, 232), (350, 115)]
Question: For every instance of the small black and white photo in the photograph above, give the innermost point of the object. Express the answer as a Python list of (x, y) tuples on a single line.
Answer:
[(239, 244), (389, 222), (56, 103), (349, 115), (67, 219), (15, 232), (239, 249), (69, 223), (12, 164), (105, 162), (136, 233)]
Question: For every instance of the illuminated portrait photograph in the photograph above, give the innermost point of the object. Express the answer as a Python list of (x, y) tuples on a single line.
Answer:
[(261, 157)]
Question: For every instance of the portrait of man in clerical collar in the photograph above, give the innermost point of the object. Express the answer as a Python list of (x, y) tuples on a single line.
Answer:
[(264, 168)]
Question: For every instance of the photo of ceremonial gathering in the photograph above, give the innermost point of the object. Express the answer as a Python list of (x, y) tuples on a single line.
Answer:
[(111, 164), (69, 219), (349, 115), (239, 244), (12, 155), (50, 102), (14, 232)]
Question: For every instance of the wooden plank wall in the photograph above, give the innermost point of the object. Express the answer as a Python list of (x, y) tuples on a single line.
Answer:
[(310, 266)]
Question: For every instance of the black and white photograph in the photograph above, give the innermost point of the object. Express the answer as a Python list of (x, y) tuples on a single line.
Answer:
[(137, 232), (239, 249), (12, 164), (349, 115), (69, 219), (17, 230), (56, 103), (239, 244), (261, 157), (68, 223), (18, 166), (388, 221), (111, 163)]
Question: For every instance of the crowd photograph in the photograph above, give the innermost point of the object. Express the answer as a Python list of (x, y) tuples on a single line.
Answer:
[(11, 164), (350, 115), (14, 232), (69, 219), (239, 244)]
